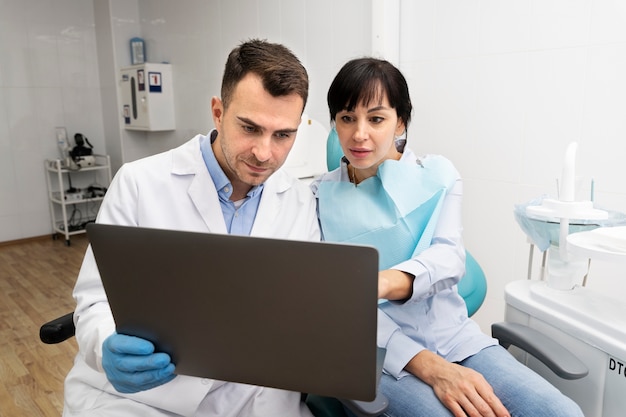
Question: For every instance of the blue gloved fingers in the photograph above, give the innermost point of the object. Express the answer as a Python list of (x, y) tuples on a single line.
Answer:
[(141, 381), (141, 363), (121, 343), (131, 365), (155, 377)]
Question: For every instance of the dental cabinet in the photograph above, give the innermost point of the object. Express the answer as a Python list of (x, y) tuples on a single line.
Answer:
[(589, 325), (75, 194), (147, 97)]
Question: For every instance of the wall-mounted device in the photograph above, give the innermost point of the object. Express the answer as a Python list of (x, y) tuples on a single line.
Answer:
[(147, 97)]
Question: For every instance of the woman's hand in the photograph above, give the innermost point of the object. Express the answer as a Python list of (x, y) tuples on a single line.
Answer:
[(395, 285), (462, 390)]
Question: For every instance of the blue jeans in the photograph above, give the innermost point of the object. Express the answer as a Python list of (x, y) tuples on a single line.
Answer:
[(523, 392)]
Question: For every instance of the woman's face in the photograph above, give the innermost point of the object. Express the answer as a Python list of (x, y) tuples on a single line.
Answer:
[(367, 135)]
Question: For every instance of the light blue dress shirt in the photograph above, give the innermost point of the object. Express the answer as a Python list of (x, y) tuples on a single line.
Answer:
[(239, 218)]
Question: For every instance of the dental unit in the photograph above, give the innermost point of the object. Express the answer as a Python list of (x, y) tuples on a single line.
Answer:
[(572, 335)]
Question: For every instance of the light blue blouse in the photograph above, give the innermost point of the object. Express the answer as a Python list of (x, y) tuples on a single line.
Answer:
[(435, 317)]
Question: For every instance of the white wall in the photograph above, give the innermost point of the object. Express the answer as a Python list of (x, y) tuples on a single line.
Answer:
[(499, 86)]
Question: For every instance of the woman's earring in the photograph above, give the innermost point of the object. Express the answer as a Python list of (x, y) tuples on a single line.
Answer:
[(400, 142)]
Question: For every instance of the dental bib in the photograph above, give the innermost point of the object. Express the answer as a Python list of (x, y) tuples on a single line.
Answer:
[(395, 211)]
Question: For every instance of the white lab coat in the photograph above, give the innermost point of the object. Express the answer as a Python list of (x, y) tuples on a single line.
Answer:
[(173, 190)]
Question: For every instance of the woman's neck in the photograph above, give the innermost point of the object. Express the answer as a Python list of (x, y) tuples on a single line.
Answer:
[(357, 175)]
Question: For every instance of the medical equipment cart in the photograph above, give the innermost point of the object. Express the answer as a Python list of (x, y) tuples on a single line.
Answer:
[(78, 187)]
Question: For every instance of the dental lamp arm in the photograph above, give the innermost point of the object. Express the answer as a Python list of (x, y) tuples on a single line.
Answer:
[(560, 360)]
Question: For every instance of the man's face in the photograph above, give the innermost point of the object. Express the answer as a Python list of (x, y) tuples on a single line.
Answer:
[(255, 133)]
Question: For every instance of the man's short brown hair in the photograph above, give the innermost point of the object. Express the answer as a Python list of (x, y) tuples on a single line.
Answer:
[(280, 70)]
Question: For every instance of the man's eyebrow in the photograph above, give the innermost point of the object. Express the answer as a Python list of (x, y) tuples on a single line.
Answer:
[(248, 121), (255, 125)]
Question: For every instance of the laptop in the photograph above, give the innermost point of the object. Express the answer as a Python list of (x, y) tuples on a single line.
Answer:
[(293, 315)]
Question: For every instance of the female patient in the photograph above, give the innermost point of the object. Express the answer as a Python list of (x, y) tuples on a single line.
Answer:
[(438, 361)]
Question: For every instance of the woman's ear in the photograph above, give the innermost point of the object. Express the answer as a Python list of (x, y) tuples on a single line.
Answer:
[(400, 127)]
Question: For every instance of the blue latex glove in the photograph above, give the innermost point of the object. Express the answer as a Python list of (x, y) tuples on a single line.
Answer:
[(131, 365)]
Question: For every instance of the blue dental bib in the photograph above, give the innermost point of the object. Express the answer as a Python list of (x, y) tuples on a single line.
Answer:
[(395, 211)]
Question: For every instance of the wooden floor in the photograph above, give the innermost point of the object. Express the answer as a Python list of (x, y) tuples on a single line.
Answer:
[(36, 281)]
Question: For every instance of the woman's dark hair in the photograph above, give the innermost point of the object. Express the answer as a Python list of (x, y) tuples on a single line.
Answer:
[(365, 80), (280, 70)]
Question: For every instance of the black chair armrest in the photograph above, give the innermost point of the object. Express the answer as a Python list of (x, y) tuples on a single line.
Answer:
[(368, 408), (560, 360), (58, 330)]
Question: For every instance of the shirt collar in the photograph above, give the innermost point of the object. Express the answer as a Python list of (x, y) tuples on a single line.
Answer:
[(217, 174)]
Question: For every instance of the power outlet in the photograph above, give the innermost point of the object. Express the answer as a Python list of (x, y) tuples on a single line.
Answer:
[(61, 135), (63, 145)]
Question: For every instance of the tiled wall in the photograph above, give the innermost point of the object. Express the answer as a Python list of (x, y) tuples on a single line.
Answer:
[(198, 38), (48, 78), (50, 75)]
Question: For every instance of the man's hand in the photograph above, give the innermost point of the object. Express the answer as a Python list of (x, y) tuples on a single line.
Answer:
[(131, 365), (462, 390)]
